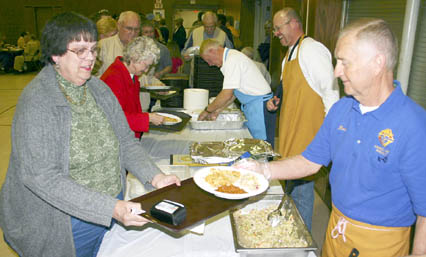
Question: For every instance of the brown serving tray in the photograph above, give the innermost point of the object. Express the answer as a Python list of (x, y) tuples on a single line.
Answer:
[(200, 205)]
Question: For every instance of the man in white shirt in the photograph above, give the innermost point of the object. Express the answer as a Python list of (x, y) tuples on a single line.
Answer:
[(242, 80), (128, 28), (308, 91)]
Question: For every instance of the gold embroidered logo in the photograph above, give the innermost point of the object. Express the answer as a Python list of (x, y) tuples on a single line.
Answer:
[(341, 128), (386, 137)]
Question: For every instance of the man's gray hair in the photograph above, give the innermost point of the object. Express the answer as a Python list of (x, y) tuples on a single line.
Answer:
[(141, 49), (209, 14), (125, 15), (291, 14), (377, 32), (248, 51)]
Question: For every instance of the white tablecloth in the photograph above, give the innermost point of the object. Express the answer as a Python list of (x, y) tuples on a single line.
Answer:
[(154, 241)]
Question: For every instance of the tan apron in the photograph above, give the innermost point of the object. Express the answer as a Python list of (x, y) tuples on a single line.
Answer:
[(302, 110), (348, 237)]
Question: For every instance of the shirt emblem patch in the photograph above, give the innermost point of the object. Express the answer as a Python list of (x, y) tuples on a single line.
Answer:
[(341, 128), (386, 137)]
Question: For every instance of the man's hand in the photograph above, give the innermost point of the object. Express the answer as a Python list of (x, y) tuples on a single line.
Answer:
[(273, 103), (162, 180), (123, 213)]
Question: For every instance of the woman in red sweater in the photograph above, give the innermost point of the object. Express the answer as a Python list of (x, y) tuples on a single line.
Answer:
[(122, 77)]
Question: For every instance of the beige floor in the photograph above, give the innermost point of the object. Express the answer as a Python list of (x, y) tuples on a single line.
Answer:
[(11, 87)]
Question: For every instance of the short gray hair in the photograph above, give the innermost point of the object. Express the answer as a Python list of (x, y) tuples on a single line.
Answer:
[(141, 49), (210, 15), (126, 15), (248, 51), (377, 32)]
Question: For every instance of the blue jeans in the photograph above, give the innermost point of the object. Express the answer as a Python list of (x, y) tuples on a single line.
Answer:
[(88, 236), (303, 196)]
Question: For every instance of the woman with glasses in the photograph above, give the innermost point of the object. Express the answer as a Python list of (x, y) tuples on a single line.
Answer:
[(122, 76), (71, 147)]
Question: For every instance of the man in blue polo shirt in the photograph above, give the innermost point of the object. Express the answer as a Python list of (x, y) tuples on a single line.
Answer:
[(376, 139)]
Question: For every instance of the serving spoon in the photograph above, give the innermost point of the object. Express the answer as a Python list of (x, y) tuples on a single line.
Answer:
[(274, 217)]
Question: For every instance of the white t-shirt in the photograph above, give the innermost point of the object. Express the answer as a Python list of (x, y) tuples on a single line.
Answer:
[(241, 73), (315, 62)]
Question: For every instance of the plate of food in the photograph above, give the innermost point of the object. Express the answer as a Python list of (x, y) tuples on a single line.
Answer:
[(170, 119), (156, 87), (230, 183)]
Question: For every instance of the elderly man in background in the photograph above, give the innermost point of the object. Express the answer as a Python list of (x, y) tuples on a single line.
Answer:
[(164, 64), (375, 138), (242, 80), (128, 28), (307, 92), (208, 30), (179, 34)]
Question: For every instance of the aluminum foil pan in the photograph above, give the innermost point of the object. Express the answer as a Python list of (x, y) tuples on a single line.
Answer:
[(226, 151), (298, 232), (229, 120)]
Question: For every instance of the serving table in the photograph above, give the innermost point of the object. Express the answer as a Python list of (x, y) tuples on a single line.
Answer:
[(152, 240)]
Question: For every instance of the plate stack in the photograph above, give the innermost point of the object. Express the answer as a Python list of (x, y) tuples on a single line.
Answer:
[(207, 77), (178, 81)]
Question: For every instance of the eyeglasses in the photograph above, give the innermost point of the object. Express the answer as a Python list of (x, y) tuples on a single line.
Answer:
[(276, 29), (84, 52), (131, 29)]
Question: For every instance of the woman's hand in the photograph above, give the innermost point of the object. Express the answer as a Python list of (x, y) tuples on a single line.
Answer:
[(272, 104), (123, 213), (162, 180), (156, 119)]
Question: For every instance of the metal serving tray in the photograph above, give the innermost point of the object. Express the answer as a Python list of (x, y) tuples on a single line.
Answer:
[(261, 202), (230, 120)]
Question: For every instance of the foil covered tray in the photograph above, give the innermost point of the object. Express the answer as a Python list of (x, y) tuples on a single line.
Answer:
[(299, 230), (229, 150), (226, 120)]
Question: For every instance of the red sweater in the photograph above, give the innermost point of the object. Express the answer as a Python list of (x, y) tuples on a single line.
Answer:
[(118, 78)]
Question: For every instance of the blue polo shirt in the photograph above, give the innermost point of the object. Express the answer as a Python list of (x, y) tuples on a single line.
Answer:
[(378, 174)]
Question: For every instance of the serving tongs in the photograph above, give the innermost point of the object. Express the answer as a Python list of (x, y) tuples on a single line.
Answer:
[(274, 217)]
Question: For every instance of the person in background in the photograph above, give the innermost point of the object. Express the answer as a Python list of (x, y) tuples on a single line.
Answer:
[(109, 48), (230, 26), (221, 23), (2, 39), (242, 80), (176, 56), (99, 15), (307, 92), (71, 147), (208, 30), (107, 27), (122, 76), (164, 31), (235, 34), (23, 39), (264, 47), (31, 54), (179, 35), (164, 65), (375, 139), (199, 22), (249, 52)]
